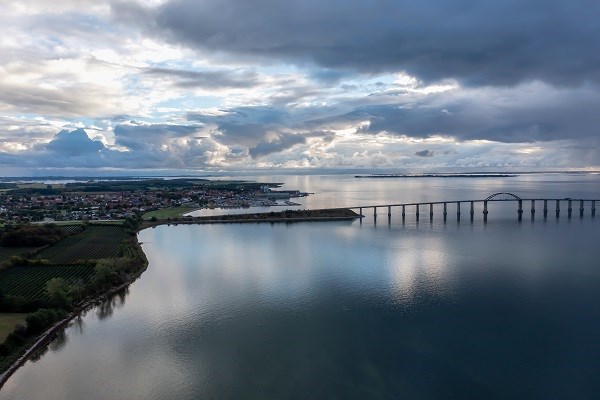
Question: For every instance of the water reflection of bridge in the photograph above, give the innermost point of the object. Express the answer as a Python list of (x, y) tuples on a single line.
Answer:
[(503, 196)]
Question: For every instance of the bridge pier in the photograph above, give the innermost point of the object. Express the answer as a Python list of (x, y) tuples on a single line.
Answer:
[(485, 202), (472, 211), (485, 211)]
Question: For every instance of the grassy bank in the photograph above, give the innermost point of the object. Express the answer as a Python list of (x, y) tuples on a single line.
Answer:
[(172, 212), (8, 322)]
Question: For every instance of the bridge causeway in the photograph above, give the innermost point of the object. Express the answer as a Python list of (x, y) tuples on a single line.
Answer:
[(496, 197)]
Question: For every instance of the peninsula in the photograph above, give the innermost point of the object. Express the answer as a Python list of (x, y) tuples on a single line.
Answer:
[(331, 214)]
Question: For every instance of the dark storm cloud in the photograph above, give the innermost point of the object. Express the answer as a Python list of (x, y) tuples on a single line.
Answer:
[(477, 42), (526, 113), (245, 125), (282, 142), (74, 149), (67, 149), (207, 79), (244, 115), (74, 143), (262, 130), (491, 116), (140, 137), (327, 137), (425, 153)]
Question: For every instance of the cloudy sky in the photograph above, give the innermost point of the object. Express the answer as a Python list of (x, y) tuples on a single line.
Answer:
[(155, 86)]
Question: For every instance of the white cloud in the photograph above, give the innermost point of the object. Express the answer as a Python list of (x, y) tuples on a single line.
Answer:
[(160, 99)]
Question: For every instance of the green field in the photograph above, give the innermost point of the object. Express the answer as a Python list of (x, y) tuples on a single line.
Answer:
[(30, 282), (171, 212), (95, 242), (8, 322)]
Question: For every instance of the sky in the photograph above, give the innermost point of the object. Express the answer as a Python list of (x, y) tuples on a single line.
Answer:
[(240, 86)]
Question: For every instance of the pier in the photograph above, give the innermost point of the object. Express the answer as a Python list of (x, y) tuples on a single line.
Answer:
[(584, 204)]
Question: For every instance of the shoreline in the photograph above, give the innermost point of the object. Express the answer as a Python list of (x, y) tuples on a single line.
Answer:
[(46, 337), (335, 214)]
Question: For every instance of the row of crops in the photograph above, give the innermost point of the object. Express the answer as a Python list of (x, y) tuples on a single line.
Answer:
[(7, 252), (95, 242), (64, 260), (30, 282), (72, 228)]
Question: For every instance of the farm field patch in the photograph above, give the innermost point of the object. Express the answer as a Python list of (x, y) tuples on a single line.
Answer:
[(95, 242), (7, 252), (30, 281), (73, 228)]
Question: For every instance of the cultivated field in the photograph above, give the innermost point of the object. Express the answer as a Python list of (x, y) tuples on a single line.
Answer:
[(71, 228), (7, 252), (94, 242), (30, 282)]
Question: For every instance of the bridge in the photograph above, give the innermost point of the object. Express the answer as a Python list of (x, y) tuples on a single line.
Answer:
[(502, 196)]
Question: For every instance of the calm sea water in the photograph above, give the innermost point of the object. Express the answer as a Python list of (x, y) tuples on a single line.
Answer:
[(349, 310)]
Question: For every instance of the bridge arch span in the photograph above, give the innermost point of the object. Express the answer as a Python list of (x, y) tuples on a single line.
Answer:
[(503, 193)]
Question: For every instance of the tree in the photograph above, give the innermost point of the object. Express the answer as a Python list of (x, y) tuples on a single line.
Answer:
[(105, 274), (77, 289), (38, 321), (59, 292)]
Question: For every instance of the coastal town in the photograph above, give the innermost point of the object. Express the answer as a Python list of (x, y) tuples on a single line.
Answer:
[(95, 201)]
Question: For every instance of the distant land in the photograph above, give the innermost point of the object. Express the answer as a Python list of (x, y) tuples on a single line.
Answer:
[(465, 175), (108, 200), (253, 174), (474, 174)]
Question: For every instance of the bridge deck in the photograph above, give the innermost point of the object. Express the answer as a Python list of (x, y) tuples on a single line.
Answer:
[(493, 198), (472, 201)]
